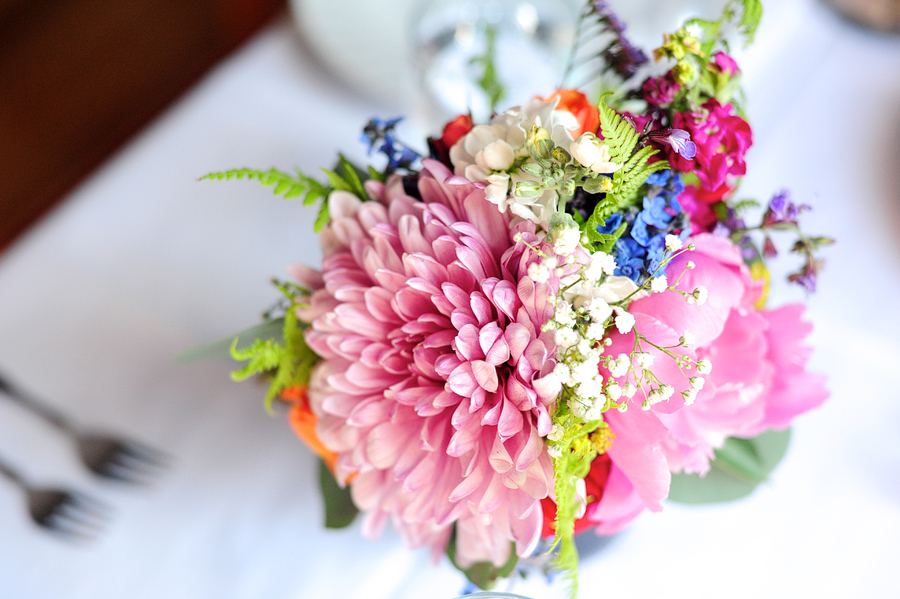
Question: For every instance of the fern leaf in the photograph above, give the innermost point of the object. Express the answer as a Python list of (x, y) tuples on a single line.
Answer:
[(618, 133), (285, 184)]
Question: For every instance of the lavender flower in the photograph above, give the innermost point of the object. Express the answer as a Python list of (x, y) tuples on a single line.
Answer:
[(678, 139)]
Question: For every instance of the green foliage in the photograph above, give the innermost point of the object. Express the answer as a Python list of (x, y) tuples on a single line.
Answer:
[(750, 19), (290, 361), (340, 511), (622, 139), (285, 185), (489, 82), (739, 467), (346, 178), (270, 329), (483, 574)]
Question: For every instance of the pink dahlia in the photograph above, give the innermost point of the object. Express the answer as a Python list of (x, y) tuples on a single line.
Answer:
[(758, 379), (436, 381)]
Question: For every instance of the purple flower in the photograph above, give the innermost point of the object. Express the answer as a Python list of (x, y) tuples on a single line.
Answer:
[(679, 139), (782, 210)]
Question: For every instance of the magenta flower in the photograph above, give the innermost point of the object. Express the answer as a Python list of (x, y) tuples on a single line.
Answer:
[(722, 140), (660, 91), (725, 63), (435, 383), (758, 379)]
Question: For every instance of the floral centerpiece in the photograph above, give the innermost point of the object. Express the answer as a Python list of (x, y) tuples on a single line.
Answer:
[(549, 322)]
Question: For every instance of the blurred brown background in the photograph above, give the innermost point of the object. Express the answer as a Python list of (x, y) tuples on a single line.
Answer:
[(79, 77)]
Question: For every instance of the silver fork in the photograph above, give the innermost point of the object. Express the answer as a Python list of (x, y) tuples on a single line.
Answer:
[(103, 454), (66, 513)]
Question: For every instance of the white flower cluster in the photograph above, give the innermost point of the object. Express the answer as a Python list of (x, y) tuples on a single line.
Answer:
[(487, 153), (585, 307)]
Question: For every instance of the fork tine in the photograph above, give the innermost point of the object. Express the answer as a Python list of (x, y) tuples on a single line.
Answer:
[(115, 470), (144, 453), (78, 517)]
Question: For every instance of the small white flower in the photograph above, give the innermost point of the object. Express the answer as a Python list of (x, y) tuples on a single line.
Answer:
[(624, 321), (496, 156), (704, 366), (585, 149), (673, 243), (690, 265), (584, 347), (497, 191), (659, 284), (598, 309), (614, 391), (566, 338), (643, 359), (667, 391), (629, 390), (619, 366), (689, 396), (565, 240), (554, 452), (555, 433), (579, 406), (563, 372), (700, 294), (655, 396), (595, 331), (697, 382), (564, 314), (592, 153), (688, 339), (595, 412), (538, 272)]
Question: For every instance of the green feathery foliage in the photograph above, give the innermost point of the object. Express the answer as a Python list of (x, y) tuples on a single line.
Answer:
[(289, 361), (576, 452), (622, 139), (287, 186)]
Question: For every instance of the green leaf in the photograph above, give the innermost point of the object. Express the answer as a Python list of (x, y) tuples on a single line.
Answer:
[(322, 218), (740, 465), (285, 185), (340, 511), (351, 175), (750, 19), (270, 329), (375, 175), (618, 133), (483, 574)]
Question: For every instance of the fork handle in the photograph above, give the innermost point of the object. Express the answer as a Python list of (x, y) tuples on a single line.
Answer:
[(12, 475), (44, 411)]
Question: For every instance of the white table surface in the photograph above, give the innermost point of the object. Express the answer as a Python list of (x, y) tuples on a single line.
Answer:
[(143, 261)]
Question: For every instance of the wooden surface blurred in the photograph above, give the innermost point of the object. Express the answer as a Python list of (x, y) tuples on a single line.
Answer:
[(79, 77)]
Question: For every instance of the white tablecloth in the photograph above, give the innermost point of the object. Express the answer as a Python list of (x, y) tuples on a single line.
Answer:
[(143, 261)]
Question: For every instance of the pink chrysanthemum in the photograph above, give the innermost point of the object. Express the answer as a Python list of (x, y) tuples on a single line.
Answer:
[(435, 382)]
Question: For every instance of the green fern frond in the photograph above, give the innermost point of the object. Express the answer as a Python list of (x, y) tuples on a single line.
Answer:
[(290, 362), (285, 185), (617, 133)]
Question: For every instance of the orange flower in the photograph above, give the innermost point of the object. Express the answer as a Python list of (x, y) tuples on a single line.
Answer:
[(577, 103), (303, 421)]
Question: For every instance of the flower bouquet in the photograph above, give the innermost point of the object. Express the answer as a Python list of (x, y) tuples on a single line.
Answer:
[(549, 322)]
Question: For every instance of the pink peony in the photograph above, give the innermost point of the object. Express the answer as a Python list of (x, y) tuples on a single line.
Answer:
[(435, 382), (758, 379)]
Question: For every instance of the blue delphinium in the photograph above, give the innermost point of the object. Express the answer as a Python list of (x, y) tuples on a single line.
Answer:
[(379, 134), (641, 249)]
